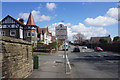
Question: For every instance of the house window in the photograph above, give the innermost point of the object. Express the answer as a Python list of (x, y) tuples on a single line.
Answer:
[(2, 33), (12, 32), (28, 34), (33, 33)]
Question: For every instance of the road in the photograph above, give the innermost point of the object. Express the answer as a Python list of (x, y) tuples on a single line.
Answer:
[(85, 64), (90, 64)]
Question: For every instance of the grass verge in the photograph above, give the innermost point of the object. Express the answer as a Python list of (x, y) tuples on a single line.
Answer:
[(39, 53)]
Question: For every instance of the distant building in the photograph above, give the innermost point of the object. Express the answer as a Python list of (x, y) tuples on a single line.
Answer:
[(96, 39), (44, 35), (12, 27)]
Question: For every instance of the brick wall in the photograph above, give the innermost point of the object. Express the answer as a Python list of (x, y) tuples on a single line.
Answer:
[(17, 58)]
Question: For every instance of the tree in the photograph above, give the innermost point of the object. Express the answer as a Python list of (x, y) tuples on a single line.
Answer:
[(103, 41), (84, 42), (78, 37), (116, 38)]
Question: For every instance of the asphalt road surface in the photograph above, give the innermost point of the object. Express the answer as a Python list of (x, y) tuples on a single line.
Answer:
[(86, 65), (90, 64)]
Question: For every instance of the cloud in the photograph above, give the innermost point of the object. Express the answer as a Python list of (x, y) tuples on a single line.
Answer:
[(113, 13), (100, 21), (109, 18), (51, 6), (89, 31), (36, 15), (81, 28), (24, 15), (66, 24)]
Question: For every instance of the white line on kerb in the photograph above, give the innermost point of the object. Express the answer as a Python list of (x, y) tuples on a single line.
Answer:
[(68, 62)]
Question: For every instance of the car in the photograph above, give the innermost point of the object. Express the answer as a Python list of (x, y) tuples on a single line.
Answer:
[(84, 47), (98, 49), (76, 49)]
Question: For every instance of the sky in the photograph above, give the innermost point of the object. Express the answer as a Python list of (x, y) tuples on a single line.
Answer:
[(89, 18)]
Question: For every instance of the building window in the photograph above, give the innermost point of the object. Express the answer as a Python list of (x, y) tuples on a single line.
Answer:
[(12, 32), (2, 33), (33, 33), (28, 34)]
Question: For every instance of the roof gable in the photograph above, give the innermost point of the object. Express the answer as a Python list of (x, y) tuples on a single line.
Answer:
[(41, 30), (10, 19)]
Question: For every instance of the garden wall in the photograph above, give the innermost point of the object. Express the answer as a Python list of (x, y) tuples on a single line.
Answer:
[(17, 59)]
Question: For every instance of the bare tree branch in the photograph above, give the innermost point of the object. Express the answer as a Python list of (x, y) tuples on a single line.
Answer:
[(78, 37)]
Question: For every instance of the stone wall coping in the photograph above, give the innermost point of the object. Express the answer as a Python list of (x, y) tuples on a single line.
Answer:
[(14, 40)]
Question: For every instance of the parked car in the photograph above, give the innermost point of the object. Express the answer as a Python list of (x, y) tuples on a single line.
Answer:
[(84, 47), (76, 49), (98, 49)]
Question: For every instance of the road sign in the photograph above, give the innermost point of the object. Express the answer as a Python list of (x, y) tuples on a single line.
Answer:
[(61, 32)]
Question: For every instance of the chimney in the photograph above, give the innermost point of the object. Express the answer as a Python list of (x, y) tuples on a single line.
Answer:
[(21, 20)]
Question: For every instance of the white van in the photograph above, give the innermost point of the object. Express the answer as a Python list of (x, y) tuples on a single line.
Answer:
[(65, 45)]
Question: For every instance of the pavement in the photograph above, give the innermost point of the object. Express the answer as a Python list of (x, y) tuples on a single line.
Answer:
[(50, 66)]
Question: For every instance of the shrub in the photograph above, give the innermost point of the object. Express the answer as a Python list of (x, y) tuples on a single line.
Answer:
[(103, 41)]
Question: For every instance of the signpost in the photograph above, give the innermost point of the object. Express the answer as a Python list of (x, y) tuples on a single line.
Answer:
[(61, 34)]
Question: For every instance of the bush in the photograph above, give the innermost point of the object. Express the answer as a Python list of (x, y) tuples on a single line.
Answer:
[(114, 47), (103, 41), (59, 44), (35, 62)]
